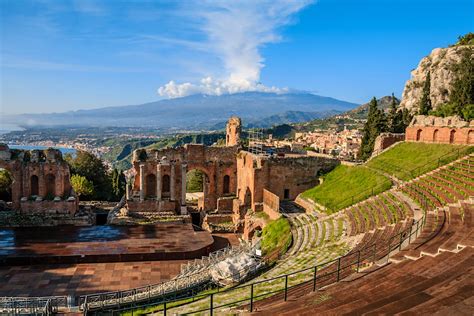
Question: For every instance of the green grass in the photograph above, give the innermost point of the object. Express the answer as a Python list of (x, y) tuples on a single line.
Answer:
[(409, 160), (276, 236), (346, 185)]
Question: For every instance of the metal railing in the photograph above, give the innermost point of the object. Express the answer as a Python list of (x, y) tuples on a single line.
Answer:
[(186, 282), (32, 305), (309, 279)]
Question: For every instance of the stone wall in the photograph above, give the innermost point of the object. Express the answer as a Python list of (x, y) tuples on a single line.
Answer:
[(385, 140), (271, 204), (49, 207), (286, 177), (160, 175), (448, 130), (37, 175), (225, 203)]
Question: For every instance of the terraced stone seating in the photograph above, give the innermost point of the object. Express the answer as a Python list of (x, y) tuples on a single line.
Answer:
[(444, 185), (433, 274), (314, 240), (379, 211)]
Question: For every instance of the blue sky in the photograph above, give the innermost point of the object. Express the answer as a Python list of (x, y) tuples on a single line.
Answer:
[(67, 55)]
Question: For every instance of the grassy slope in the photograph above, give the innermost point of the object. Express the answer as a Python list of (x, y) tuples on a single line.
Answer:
[(346, 185), (276, 236), (408, 160)]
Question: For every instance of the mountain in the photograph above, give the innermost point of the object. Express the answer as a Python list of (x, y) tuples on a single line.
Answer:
[(195, 112), (444, 66), (363, 110)]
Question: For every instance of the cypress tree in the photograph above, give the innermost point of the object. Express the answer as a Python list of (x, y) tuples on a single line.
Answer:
[(376, 123), (425, 102)]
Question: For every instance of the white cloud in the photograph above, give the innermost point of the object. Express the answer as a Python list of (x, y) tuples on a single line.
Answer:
[(236, 31)]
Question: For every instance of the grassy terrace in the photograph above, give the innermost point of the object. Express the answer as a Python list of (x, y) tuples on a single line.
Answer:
[(409, 160), (276, 236), (347, 185)]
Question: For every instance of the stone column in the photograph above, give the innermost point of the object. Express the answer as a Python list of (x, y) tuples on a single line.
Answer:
[(158, 182), (183, 184), (142, 182), (127, 190), (184, 209), (172, 183)]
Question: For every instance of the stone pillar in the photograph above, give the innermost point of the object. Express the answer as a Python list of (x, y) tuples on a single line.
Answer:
[(183, 184), (142, 182), (184, 209), (172, 183), (127, 190), (41, 182), (158, 182)]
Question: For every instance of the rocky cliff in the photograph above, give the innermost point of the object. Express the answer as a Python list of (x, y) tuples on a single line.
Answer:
[(440, 63)]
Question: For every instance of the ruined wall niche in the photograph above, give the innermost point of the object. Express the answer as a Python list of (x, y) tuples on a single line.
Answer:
[(233, 130), (40, 180), (447, 130)]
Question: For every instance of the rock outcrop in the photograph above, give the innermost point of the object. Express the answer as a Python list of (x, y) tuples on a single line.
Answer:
[(440, 65)]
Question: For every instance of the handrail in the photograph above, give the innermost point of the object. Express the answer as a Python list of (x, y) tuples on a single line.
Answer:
[(369, 253), (32, 305), (154, 291)]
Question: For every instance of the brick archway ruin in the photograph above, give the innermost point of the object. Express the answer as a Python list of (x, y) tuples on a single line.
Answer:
[(443, 130), (40, 180), (173, 164)]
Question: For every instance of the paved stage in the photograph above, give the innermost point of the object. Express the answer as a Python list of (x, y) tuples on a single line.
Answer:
[(87, 278), (95, 244)]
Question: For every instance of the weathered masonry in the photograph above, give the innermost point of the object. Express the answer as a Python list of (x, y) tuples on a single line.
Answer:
[(40, 181), (160, 177), (447, 130)]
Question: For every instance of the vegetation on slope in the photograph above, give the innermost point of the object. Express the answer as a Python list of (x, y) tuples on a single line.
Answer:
[(346, 185), (276, 237), (406, 160)]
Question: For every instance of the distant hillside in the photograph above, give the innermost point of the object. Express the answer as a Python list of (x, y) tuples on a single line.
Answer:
[(197, 112), (363, 110)]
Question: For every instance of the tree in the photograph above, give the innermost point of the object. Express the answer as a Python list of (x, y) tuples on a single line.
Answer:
[(5, 184), (82, 186), (93, 169), (424, 106), (118, 184), (376, 124)]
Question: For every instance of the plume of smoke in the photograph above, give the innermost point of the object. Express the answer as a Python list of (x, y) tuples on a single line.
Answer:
[(236, 31)]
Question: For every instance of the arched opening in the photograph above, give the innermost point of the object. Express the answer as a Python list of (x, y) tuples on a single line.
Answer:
[(6, 182), (248, 198), (470, 137), (197, 187), (435, 135), (419, 134), (165, 185), (226, 185), (50, 185), (452, 136), (150, 186), (34, 185)]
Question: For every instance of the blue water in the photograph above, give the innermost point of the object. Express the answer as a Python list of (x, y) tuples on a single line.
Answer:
[(64, 150)]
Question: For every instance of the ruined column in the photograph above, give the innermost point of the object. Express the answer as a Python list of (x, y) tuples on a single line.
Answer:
[(172, 183), (158, 181), (142, 182), (183, 184)]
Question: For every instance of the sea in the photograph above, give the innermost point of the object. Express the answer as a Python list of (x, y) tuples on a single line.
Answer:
[(63, 150)]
